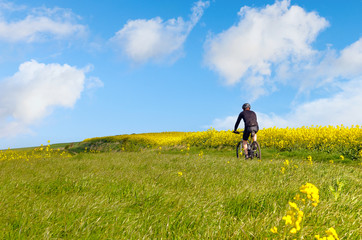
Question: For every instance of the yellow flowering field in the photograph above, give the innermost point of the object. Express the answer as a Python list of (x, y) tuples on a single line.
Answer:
[(32, 154), (346, 141), (153, 139)]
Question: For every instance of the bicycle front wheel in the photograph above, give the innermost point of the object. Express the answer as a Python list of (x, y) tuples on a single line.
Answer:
[(239, 150), (256, 150)]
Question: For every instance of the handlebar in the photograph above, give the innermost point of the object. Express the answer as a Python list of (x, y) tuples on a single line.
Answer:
[(253, 133)]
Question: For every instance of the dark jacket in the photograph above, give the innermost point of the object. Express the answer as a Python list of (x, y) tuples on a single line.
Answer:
[(249, 118)]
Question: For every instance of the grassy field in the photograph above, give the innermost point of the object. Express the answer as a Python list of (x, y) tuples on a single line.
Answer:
[(174, 194)]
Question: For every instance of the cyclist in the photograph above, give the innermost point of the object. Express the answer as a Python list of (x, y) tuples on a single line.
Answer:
[(250, 125)]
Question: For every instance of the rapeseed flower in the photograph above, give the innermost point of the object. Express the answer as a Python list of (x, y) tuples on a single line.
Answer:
[(293, 206), (294, 217), (332, 235), (288, 219), (274, 230), (28, 155), (297, 197), (332, 232), (312, 193), (309, 158)]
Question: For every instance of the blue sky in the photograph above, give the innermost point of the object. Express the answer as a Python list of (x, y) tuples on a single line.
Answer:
[(71, 70)]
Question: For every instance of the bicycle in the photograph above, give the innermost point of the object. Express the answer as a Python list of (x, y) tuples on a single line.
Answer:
[(253, 147)]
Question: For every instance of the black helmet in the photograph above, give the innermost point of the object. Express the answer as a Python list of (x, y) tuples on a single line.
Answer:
[(246, 105)]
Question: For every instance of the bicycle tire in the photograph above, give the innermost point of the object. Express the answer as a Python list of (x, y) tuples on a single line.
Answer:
[(239, 150), (256, 149)]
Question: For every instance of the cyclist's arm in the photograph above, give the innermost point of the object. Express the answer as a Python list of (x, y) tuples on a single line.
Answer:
[(238, 122)]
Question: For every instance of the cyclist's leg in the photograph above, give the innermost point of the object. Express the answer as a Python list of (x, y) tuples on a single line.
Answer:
[(246, 135), (245, 146), (254, 138), (255, 130)]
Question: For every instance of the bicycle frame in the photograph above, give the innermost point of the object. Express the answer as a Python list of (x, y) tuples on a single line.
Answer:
[(253, 148)]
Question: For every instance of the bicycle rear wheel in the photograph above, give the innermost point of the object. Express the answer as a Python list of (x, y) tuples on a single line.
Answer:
[(256, 150), (239, 150)]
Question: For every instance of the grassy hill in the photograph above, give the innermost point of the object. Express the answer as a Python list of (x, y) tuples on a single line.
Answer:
[(100, 189)]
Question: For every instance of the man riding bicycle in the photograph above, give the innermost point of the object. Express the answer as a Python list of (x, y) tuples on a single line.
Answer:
[(250, 125)]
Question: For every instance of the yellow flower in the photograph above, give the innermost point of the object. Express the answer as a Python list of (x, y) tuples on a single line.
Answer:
[(332, 232), (310, 160), (342, 157), (288, 220), (293, 205), (312, 193), (297, 197), (332, 235), (179, 173), (300, 214), (274, 230)]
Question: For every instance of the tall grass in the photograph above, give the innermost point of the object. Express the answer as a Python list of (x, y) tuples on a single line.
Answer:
[(169, 195)]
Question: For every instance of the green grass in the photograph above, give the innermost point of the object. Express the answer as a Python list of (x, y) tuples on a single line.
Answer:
[(140, 195)]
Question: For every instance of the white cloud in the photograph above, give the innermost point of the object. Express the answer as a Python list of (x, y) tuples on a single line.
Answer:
[(344, 107), (346, 65), (224, 124), (38, 24), (264, 120), (272, 46), (142, 40), (94, 82), (34, 91), (343, 72), (263, 39)]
